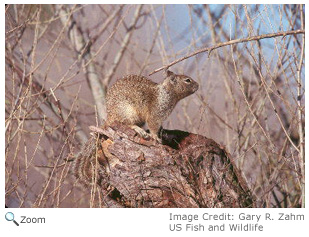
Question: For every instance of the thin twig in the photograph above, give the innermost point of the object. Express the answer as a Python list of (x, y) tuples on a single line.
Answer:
[(299, 110), (78, 41), (231, 42), (123, 46)]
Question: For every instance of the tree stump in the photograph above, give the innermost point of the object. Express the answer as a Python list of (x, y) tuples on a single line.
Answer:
[(187, 170)]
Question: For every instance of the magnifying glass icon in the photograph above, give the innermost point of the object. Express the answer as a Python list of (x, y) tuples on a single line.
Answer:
[(9, 216)]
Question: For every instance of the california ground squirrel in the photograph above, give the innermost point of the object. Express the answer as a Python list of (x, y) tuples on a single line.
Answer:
[(135, 100)]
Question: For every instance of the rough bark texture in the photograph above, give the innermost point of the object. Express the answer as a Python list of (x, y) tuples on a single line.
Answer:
[(187, 170)]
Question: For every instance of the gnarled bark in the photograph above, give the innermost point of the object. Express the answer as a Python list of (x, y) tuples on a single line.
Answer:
[(187, 170)]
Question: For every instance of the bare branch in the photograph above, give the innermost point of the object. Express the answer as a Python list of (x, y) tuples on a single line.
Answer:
[(300, 110), (79, 43), (231, 42), (124, 45)]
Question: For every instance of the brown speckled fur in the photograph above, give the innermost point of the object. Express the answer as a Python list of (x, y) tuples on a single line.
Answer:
[(136, 100)]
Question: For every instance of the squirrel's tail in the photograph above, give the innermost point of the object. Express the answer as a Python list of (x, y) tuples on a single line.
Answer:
[(84, 165)]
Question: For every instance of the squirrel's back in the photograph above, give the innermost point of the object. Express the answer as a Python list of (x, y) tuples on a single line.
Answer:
[(129, 99)]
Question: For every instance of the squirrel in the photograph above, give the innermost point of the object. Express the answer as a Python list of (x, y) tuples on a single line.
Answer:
[(135, 100)]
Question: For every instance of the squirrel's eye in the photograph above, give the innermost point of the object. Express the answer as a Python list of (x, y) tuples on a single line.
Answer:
[(188, 80)]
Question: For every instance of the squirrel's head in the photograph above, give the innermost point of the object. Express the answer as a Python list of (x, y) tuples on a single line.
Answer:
[(181, 85)]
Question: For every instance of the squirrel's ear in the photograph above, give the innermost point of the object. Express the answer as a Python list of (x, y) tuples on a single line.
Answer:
[(170, 75)]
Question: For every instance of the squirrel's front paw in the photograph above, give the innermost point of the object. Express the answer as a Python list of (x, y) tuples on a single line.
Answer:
[(146, 135), (156, 137), (140, 131)]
